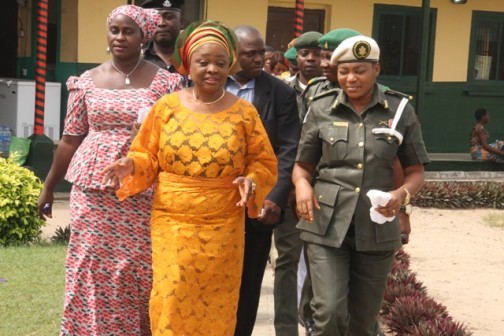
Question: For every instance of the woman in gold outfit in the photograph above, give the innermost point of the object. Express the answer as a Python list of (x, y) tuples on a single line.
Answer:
[(211, 157)]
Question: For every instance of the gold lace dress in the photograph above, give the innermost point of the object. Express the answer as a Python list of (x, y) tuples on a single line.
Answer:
[(197, 230)]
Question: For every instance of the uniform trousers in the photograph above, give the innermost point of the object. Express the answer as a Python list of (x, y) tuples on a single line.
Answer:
[(285, 290), (348, 287), (257, 249), (305, 312)]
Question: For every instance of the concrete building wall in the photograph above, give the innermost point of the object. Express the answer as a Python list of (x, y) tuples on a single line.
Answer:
[(69, 31), (234, 13), (91, 27)]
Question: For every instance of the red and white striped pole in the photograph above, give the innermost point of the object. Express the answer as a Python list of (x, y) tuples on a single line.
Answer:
[(40, 66), (299, 18)]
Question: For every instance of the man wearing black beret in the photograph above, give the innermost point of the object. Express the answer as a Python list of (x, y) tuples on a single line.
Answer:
[(162, 45)]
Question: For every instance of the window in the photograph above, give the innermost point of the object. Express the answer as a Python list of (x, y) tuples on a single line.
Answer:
[(398, 31), (487, 47), (280, 25)]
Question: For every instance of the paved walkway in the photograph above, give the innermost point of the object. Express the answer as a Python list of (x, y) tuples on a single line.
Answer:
[(264, 322)]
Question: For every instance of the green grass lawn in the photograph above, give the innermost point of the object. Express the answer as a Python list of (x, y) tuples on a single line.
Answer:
[(495, 220), (31, 298)]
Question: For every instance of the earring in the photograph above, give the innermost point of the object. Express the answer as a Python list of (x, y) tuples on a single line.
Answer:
[(108, 50), (141, 49)]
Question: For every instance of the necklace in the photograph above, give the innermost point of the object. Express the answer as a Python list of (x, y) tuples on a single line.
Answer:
[(208, 103), (127, 80)]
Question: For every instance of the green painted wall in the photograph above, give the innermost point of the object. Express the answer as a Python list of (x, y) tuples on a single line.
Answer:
[(448, 115)]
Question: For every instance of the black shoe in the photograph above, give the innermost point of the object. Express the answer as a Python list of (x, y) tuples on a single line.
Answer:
[(310, 327)]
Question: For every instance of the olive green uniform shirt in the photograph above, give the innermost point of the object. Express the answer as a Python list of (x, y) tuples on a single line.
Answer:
[(315, 87), (351, 160), (294, 83)]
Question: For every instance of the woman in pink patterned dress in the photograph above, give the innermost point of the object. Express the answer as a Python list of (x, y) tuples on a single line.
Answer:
[(108, 266)]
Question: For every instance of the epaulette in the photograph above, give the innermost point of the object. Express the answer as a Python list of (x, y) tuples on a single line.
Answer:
[(327, 93), (332, 92), (312, 82), (398, 94)]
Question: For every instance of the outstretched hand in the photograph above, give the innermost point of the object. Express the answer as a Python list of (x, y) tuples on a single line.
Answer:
[(115, 172), (246, 187)]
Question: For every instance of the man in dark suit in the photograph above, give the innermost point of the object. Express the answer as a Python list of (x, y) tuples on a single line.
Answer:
[(275, 102)]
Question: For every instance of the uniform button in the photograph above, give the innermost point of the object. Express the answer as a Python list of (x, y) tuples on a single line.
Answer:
[(360, 165), (357, 189), (361, 144), (389, 138), (361, 124), (320, 197), (332, 139)]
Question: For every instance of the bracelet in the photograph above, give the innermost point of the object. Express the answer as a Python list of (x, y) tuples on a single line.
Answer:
[(252, 184), (407, 198)]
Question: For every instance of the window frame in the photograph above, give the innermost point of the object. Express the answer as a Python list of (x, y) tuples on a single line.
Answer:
[(404, 11), (483, 84)]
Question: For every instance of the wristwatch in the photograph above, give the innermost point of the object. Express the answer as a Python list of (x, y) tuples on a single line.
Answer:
[(407, 198), (407, 209)]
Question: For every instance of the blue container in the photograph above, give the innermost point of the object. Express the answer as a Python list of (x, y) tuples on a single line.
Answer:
[(5, 136)]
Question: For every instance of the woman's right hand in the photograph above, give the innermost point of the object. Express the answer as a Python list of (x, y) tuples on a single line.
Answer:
[(305, 200), (44, 205), (115, 172)]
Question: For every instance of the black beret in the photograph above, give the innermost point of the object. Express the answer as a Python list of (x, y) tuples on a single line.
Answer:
[(163, 4)]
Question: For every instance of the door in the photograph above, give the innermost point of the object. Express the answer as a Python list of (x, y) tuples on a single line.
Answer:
[(280, 26), (8, 38)]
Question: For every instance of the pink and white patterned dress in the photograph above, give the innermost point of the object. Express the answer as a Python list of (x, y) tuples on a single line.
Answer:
[(108, 265)]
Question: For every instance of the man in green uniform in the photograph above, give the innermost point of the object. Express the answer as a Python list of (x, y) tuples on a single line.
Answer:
[(308, 63), (352, 137), (286, 235)]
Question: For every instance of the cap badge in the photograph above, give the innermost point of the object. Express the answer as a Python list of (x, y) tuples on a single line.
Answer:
[(167, 3), (326, 45), (361, 50)]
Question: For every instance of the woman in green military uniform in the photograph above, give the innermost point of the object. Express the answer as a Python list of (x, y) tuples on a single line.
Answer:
[(353, 137)]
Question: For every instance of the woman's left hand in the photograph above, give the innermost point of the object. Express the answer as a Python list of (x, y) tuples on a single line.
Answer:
[(246, 188), (114, 173), (393, 206)]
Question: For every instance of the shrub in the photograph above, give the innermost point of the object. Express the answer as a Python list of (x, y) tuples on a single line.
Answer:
[(402, 257), (408, 310), (19, 191), (61, 235), (461, 194), (440, 326), (399, 285)]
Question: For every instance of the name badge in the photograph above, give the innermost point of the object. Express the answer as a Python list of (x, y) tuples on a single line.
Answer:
[(340, 123)]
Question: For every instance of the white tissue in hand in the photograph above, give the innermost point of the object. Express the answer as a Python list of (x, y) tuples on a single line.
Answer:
[(378, 198)]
